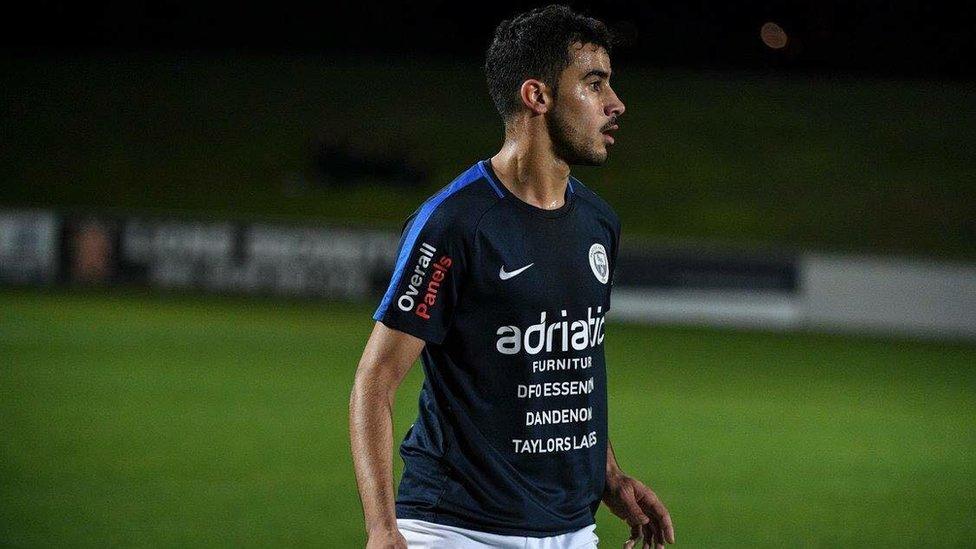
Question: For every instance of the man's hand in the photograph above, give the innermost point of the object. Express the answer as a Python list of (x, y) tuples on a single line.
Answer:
[(386, 539), (631, 500)]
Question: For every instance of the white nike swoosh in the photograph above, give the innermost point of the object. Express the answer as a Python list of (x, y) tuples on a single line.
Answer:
[(505, 276)]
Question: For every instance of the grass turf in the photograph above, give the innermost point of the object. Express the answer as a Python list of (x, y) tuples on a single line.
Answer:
[(136, 420)]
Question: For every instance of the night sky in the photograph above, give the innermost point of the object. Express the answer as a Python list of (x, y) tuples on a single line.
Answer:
[(898, 38)]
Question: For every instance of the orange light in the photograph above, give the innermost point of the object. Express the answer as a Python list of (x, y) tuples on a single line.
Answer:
[(773, 35)]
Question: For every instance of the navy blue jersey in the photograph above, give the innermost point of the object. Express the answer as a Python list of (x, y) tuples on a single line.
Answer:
[(511, 437)]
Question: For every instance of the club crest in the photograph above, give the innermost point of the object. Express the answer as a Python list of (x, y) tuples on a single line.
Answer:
[(599, 263)]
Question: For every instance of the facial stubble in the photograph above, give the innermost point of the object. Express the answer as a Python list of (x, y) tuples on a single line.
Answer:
[(570, 143)]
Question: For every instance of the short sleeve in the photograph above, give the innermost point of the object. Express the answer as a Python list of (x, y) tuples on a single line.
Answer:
[(424, 287)]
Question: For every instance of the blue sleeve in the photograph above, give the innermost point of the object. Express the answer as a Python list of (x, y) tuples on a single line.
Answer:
[(424, 288)]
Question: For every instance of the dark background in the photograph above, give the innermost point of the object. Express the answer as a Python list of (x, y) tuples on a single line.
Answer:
[(893, 38), (855, 136)]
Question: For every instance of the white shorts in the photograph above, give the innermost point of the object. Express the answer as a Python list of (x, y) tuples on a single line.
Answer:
[(428, 535)]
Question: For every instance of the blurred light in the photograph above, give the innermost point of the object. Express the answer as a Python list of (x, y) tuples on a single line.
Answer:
[(773, 35)]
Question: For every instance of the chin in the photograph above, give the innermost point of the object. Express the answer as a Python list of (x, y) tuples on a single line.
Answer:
[(597, 158), (577, 155)]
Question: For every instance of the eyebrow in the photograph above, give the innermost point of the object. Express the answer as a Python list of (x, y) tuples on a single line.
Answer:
[(596, 72)]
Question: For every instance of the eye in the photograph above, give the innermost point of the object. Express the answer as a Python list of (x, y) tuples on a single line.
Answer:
[(597, 86)]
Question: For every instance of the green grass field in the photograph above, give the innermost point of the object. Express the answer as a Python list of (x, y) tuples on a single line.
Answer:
[(132, 420)]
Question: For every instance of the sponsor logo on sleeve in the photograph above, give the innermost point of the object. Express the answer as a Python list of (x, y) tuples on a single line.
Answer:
[(426, 269)]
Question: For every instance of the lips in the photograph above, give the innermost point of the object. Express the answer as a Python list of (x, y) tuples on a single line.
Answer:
[(607, 133)]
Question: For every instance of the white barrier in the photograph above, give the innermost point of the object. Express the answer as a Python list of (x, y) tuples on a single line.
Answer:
[(914, 297), (835, 293)]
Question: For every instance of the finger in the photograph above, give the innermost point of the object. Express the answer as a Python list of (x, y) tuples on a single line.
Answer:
[(636, 515), (650, 542), (635, 536), (667, 527), (652, 534), (649, 502), (659, 534)]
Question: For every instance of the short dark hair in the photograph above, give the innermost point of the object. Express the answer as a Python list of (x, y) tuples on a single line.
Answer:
[(535, 44)]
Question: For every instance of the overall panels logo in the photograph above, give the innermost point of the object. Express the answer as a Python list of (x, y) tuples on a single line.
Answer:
[(599, 263), (411, 299)]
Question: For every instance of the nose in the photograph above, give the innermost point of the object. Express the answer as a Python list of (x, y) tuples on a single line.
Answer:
[(614, 107)]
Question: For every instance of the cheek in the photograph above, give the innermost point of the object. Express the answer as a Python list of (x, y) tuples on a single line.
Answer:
[(583, 103)]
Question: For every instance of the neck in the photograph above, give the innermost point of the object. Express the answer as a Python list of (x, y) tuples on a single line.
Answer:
[(529, 170)]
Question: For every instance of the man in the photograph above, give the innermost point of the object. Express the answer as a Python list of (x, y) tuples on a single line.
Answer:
[(501, 284)]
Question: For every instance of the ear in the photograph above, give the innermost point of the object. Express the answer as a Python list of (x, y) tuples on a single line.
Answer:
[(536, 96)]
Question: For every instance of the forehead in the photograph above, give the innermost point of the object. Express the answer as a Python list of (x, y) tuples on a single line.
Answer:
[(588, 57)]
